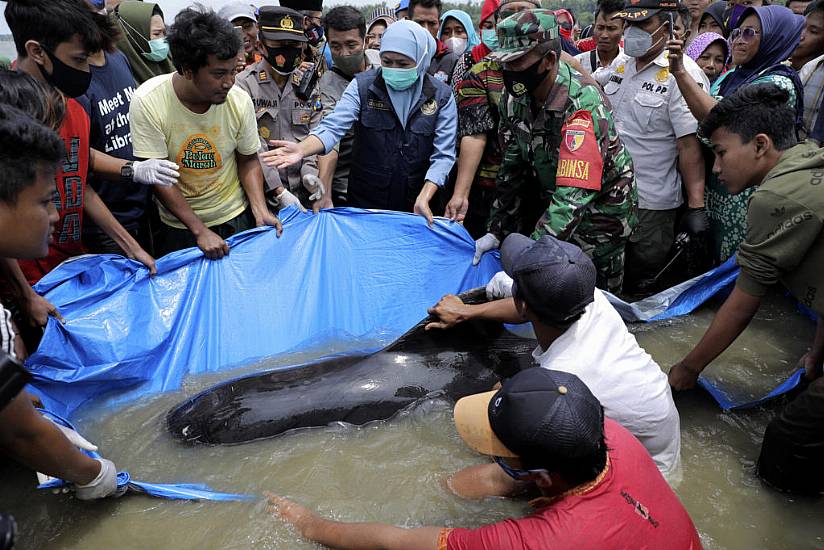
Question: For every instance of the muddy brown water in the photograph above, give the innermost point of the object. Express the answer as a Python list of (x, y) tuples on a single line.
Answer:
[(393, 471)]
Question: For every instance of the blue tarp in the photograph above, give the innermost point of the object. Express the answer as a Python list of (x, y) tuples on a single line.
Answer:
[(685, 298), (340, 275)]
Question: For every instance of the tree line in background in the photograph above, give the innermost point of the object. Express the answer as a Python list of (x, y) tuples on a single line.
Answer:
[(582, 9)]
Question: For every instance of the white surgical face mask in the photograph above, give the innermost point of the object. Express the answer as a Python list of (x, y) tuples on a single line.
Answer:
[(637, 41), (455, 45)]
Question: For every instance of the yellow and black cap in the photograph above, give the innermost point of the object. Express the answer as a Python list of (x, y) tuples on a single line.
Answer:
[(641, 10), (278, 23)]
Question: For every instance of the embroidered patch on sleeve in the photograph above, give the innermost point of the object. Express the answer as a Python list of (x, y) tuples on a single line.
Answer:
[(579, 163)]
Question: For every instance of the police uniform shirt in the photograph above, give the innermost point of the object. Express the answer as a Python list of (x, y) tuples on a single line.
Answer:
[(281, 115), (650, 116)]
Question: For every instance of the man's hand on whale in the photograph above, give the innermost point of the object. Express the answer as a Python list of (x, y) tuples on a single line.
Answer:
[(450, 311)]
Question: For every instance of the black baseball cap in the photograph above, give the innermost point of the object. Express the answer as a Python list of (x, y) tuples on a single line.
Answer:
[(538, 414), (277, 23), (303, 5), (555, 278), (641, 10)]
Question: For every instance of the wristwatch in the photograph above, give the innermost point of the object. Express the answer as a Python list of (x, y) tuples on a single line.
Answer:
[(127, 171)]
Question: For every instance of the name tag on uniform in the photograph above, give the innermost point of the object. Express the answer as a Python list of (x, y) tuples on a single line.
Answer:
[(377, 104)]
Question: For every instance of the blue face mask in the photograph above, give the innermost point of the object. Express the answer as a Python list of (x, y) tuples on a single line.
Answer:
[(159, 50), (402, 79), (490, 38)]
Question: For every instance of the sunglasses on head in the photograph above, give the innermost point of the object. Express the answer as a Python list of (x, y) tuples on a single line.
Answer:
[(516, 473)]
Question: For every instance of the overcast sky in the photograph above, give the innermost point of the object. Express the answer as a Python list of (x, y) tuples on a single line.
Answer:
[(171, 7)]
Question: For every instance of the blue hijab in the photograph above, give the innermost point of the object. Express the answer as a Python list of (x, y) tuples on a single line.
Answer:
[(464, 19), (409, 39), (780, 34)]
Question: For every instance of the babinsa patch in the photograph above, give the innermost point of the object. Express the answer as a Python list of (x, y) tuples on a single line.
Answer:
[(579, 163)]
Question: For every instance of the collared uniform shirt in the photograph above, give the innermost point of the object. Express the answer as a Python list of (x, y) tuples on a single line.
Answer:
[(650, 115), (281, 115)]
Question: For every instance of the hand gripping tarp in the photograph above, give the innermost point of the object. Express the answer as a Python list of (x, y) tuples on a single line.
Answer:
[(125, 484), (685, 298)]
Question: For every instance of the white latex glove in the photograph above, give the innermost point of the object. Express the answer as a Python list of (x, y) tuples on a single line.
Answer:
[(314, 185), (286, 198), (485, 244), (499, 287), (155, 172), (104, 485)]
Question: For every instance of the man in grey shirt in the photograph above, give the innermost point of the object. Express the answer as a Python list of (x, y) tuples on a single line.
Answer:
[(345, 30)]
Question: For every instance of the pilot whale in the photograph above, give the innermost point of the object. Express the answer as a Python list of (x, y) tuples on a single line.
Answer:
[(356, 389)]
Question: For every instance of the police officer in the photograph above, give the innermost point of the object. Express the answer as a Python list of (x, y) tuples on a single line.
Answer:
[(655, 123), (564, 166), (318, 52), (405, 128), (272, 84)]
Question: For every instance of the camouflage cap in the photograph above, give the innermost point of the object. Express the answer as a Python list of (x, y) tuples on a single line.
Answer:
[(519, 33)]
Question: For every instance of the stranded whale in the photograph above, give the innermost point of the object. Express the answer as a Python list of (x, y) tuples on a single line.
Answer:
[(466, 359)]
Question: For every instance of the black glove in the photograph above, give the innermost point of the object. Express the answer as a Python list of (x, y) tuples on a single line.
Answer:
[(695, 221)]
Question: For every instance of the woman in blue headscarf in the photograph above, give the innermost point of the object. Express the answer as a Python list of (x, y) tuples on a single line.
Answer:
[(763, 38), (457, 32), (405, 128)]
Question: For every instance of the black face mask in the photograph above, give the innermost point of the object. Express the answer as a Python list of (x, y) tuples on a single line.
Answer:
[(520, 83), (315, 35), (283, 60), (72, 82)]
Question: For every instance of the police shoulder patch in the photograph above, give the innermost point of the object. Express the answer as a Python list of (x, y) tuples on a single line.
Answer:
[(263, 76), (579, 162)]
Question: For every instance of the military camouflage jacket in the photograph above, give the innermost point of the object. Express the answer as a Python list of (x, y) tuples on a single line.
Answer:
[(571, 152)]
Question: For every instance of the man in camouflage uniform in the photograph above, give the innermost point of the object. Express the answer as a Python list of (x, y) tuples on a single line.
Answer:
[(564, 172)]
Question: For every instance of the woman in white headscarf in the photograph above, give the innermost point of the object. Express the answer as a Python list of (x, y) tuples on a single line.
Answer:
[(406, 123)]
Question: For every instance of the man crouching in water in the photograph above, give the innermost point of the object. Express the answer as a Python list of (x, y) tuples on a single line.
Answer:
[(598, 486)]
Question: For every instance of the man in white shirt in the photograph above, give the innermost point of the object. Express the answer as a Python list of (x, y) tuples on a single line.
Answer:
[(607, 33), (579, 332), (659, 131)]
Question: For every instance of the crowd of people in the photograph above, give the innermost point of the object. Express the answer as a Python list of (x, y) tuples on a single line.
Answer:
[(641, 150)]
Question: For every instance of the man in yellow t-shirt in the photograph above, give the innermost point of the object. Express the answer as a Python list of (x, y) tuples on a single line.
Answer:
[(197, 119)]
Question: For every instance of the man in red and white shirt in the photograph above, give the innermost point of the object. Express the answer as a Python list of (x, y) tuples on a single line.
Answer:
[(597, 485)]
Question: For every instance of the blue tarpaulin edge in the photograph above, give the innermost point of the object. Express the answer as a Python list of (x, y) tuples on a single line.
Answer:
[(125, 483)]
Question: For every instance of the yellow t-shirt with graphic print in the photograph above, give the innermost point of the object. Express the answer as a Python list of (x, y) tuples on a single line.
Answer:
[(203, 145)]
